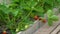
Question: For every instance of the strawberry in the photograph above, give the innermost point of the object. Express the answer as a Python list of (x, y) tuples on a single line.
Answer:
[(4, 32), (36, 17), (44, 21)]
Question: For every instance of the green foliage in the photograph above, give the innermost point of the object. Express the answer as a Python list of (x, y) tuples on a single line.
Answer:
[(51, 17)]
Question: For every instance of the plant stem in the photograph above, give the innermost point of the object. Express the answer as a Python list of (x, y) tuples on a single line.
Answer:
[(25, 18)]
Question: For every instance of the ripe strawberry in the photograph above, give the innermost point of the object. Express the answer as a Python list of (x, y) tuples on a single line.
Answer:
[(44, 21), (36, 17), (4, 32)]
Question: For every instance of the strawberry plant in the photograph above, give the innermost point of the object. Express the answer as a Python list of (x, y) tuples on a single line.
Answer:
[(51, 17), (18, 15)]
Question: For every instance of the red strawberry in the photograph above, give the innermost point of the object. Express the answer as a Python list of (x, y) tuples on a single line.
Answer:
[(44, 21), (36, 17), (4, 32)]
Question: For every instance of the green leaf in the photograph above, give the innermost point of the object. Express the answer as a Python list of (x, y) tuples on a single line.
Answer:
[(39, 11), (4, 9), (50, 13), (50, 2), (50, 22), (54, 18)]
